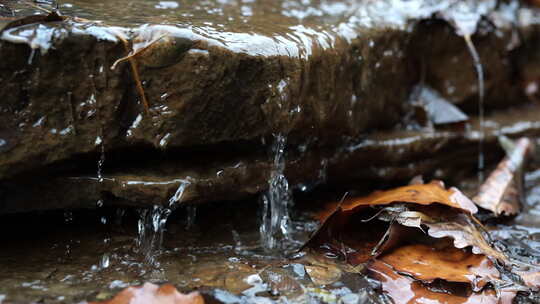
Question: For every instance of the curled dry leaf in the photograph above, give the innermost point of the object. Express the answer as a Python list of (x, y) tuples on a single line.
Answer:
[(423, 194), (405, 216), (441, 223), (350, 238), (501, 192), (465, 233), (153, 294), (531, 278), (440, 261), (405, 290)]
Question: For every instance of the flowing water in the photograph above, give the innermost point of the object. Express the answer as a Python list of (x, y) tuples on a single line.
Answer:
[(67, 262), (276, 223), (481, 92), (152, 222)]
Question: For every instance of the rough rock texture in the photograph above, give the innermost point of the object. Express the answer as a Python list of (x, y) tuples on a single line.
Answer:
[(325, 81), (386, 156)]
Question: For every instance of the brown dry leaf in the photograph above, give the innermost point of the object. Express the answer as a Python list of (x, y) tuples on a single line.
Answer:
[(501, 191), (405, 290), (323, 274), (443, 222), (440, 261), (464, 233), (530, 278), (347, 236), (423, 194), (406, 216), (153, 294), (357, 234), (324, 271)]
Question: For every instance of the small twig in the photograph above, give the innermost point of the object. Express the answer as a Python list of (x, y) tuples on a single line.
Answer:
[(134, 72), (383, 239), (137, 52)]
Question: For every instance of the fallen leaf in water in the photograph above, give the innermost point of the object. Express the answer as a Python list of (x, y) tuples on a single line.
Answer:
[(324, 271), (405, 290), (464, 233), (153, 294), (501, 192), (404, 216), (443, 222), (356, 233), (530, 278), (355, 238), (323, 274), (423, 194), (441, 261)]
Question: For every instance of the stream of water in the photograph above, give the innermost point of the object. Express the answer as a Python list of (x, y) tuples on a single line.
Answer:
[(276, 223), (481, 115), (152, 222)]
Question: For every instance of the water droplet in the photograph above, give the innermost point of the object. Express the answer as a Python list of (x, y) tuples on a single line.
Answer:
[(105, 261), (101, 161), (68, 217), (31, 57)]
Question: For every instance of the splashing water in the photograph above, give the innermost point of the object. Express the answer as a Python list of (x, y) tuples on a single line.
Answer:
[(276, 224), (151, 225)]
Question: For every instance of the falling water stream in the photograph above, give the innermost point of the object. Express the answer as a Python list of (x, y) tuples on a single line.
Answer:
[(276, 222), (151, 224), (481, 92), (465, 17)]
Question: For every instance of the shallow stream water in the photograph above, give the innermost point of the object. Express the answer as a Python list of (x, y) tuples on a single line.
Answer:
[(54, 257)]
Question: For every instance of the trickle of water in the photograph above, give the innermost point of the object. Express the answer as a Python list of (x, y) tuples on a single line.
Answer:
[(191, 215), (101, 161), (465, 17), (105, 261), (481, 91), (31, 57), (276, 223), (151, 225)]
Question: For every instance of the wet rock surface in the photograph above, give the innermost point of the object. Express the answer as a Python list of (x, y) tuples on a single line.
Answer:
[(378, 157), (229, 78), (145, 110)]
